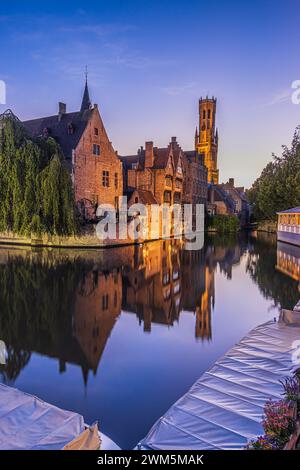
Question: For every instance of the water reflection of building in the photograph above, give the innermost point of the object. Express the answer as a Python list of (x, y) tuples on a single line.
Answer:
[(152, 288), (166, 280), (288, 260), (79, 299), (97, 306), (66, 308)]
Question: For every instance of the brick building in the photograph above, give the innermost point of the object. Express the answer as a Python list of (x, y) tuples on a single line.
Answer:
[(158, 171), (225, 199), (241, 203), (195, 178), (93, 163)]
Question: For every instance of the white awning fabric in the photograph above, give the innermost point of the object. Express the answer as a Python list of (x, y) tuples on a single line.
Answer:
[(28, 423), (224, 408)]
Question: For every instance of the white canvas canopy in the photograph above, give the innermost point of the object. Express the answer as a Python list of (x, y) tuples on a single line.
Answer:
[(224, 408), (28, 423)]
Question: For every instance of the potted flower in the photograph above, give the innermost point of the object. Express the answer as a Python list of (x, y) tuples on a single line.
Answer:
[(261, 443), (278, 423), (281, 419)]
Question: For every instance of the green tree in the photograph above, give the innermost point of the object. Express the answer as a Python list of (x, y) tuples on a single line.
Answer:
[(36, 194), (278, 186)]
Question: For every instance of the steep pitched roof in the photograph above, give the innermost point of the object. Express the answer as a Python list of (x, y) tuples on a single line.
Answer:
[(191, 154), (223, 196), (129, 160), (66, 129), (86, 102), (161, 157), (145, 197)]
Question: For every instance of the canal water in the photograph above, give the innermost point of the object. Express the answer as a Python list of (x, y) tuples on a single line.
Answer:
[(118, 335)]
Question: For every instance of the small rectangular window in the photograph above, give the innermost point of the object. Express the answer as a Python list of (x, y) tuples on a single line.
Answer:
[(96, 149), (116, 181), (105, 178), (208, 114), (96, 131), (105, 302)]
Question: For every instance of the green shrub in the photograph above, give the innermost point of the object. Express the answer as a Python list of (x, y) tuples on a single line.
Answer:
[(224, 223)]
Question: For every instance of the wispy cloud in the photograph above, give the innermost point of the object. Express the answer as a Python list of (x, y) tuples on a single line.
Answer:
[(100, 30), (27, 36), (174, 90)]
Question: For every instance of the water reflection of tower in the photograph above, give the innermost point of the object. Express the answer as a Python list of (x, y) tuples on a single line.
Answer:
[(97, 306), (198, 290)]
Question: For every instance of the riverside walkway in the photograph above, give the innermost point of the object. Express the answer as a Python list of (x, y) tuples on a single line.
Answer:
[(224, 408)]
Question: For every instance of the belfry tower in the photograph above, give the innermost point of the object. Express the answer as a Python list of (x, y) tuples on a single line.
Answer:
[(206, 140)]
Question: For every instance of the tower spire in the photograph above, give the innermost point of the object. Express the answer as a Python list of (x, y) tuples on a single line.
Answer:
[(196, 137), (86, 102)]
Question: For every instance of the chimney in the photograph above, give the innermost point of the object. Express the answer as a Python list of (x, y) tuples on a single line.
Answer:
[(173, 139), (62, 109), (149, 155), (231, 182)]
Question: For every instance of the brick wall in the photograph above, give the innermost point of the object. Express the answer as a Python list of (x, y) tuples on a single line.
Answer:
[(88, 168)]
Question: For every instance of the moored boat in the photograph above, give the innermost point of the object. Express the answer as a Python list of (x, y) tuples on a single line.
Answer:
[(288, 228)]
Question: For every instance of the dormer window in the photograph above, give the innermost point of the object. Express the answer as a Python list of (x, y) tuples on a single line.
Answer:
[(70, 128), (46, 132)]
